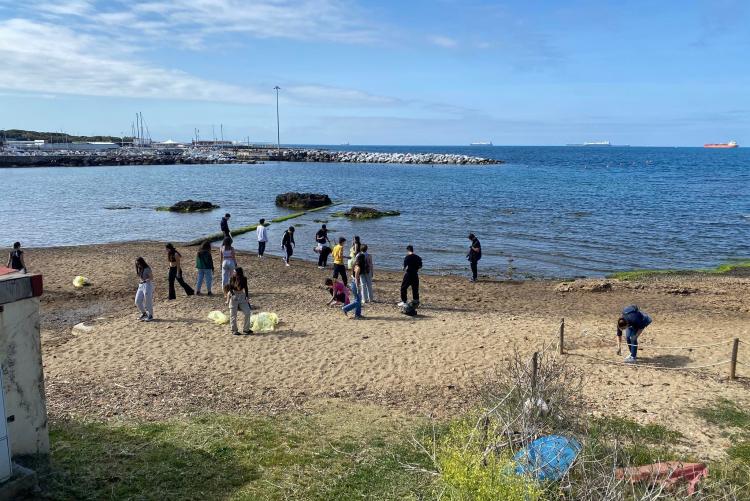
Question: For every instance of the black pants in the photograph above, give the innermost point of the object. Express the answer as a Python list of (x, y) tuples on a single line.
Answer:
[(226, 233), (173, 275), (410, 281), (473, 263), (289, 250), (261, 248), (340, 269), (323, 256)]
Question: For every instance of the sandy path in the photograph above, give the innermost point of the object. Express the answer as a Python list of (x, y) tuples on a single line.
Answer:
[(183, 362)]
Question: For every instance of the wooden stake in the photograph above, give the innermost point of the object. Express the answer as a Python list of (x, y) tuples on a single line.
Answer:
[(534, 369), (562, 337), (733, 361)]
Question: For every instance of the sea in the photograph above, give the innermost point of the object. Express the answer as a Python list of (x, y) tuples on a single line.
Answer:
[(545, 212)]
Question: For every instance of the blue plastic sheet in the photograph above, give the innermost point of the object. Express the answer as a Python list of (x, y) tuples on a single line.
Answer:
[(547, 458)]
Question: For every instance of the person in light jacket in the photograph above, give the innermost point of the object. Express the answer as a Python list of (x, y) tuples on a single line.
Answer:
[(262, 232), (144, 297)]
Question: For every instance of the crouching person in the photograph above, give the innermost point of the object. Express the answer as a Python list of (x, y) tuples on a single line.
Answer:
[(633, 322)]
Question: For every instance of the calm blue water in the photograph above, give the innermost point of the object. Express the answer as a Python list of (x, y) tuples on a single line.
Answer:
[(555, 211)]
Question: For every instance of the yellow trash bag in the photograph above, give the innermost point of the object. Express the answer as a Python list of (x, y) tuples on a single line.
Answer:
[(80, 281), (264, 321), (218, 317)]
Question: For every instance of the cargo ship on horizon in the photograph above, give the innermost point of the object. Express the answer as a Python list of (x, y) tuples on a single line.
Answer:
[(730, 144)]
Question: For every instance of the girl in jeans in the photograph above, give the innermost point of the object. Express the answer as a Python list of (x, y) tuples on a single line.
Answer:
[(228, 261), (175, 272), (238, 298), (144, 298), (356, 299), (204, 263)]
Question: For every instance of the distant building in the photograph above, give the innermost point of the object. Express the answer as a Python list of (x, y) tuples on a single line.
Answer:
[(213, 144)]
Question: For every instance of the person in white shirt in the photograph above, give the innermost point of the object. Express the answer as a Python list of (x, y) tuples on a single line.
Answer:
[(262, 237)]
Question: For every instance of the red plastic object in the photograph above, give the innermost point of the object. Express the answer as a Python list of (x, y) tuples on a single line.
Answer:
[(6, 271), (669, 473)]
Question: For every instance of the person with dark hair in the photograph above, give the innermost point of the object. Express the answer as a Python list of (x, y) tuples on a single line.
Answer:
[(228, 260), (338, 261), (144, 297), (225, 225), (365, 275), (412, 265), (356, 297), (238, 298), (339, 292), (204, 263), (354, 250), (174, 259), (15, 258), (634, 321), (323, 250), (287, 243), (474, 255), (262, 233)]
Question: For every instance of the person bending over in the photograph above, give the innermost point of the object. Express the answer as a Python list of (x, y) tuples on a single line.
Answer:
[(339, 292), (633, 321)]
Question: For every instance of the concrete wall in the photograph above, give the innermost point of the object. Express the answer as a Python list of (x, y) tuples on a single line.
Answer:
[(23, 376)]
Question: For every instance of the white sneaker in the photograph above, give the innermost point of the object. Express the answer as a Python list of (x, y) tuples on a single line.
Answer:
[(288, 264), (401, 304), (630, 360)]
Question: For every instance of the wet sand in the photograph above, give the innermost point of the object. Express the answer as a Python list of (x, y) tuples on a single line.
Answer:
[(431, 364)]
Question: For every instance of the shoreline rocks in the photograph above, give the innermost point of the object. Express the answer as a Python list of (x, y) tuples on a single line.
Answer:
[(379, 158), (190, 206), (366, 213), (292, 200)]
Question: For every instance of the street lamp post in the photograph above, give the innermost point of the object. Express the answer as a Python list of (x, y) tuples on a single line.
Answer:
[(278, 133)]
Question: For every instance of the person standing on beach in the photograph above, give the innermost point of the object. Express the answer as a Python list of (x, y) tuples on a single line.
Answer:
[(262, 232), (204, 264), (228, 261), (15, 258), (356, 297), (338, 261), (174, 259), (238, 298), (412, 265), (474, 255), (365, 276), (144, 297), (323, 250), (225, 225), (287, 243), (354, 250), (633, 321)]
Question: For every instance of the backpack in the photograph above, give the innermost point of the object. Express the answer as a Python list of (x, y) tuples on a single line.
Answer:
[(409, 309)]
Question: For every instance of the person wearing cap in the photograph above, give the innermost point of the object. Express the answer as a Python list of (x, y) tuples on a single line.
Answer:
[(474, 255), (225, 225), (339, 269)]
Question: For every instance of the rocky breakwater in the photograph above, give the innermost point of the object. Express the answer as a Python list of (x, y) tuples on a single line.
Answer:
[(365, 157)]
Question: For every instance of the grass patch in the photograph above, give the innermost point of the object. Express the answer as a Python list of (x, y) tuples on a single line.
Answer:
[(329, 455), (622, 427), (740, 451), (725, 413), (722, 269)]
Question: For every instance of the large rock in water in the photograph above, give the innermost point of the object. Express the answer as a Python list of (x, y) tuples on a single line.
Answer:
[(368, 213), (302, 200), (190, 206)]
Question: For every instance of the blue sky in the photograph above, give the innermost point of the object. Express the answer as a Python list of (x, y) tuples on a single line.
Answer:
[(386, 72)]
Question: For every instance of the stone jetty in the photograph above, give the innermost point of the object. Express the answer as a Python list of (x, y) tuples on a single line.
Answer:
[(306, 155)]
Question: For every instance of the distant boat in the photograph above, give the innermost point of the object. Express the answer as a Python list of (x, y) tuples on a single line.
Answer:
[(593, 143), (730, 144), (481, 143)]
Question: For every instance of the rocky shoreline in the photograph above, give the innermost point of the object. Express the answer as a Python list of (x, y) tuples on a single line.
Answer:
[(378, 158)]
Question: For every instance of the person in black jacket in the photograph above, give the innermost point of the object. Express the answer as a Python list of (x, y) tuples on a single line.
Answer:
[(474, 255), (225, 225), (412, 265), (287, 243)]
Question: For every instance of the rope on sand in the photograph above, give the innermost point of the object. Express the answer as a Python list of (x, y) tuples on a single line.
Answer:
[(657, 347), (652, 366)]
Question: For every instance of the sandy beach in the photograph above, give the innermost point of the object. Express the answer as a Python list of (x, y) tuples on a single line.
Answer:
[(431, 364)]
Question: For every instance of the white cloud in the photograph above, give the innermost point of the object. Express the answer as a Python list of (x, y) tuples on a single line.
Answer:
[(443, 41)]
